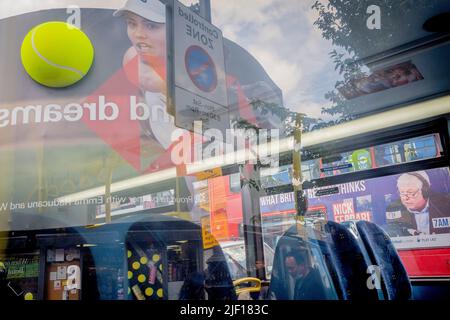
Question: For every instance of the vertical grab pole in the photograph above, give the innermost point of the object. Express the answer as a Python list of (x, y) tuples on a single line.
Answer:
[(300, 201)]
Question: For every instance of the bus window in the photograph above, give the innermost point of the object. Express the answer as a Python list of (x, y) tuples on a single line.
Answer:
[(420, 148), (372, 157)]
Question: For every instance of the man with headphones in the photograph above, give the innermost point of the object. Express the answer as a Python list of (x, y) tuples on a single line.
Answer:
[(419, 210)]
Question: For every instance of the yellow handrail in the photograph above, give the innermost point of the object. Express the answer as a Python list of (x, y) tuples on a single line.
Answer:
[(255, 288)]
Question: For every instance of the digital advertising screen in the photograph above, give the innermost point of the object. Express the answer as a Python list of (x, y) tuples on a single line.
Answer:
[(410, 207)]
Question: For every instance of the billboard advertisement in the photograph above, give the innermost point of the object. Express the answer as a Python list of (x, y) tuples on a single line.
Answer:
[(410, 206), (111, 126)]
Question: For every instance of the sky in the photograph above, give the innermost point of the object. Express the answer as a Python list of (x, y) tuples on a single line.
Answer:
[(281, 35), (278, 33)]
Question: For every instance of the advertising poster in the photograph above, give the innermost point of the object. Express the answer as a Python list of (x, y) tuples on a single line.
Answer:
[(390, 77), (113, 122), (113, 125), (410, 207)]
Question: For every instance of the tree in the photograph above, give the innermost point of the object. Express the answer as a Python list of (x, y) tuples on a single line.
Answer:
[(286, 116), (343, 22)]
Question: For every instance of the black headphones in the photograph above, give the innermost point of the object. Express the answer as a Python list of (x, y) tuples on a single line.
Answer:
[(425, 185)]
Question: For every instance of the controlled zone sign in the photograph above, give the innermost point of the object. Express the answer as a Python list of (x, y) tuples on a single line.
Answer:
[(199, 89)]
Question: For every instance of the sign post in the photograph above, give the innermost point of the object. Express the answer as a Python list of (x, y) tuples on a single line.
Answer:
[(205, 9), (197, 83), (297, 168), (300, 198)]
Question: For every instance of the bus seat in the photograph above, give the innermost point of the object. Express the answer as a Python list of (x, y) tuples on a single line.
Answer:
[(319, 284), (394, 278), (349, 263)]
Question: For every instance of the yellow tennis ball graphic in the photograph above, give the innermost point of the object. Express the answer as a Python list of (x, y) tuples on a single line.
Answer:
[(57, 54)]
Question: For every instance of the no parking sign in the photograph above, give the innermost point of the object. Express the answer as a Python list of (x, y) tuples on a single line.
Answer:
[(199, 83), (201, 68)]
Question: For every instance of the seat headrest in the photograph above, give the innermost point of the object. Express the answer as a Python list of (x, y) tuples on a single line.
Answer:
[(395, 280)]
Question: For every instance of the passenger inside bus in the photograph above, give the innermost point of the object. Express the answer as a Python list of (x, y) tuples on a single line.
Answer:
[(304, 277)]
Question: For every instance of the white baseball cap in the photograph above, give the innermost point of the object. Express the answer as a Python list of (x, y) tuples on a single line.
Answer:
[(152, 10)]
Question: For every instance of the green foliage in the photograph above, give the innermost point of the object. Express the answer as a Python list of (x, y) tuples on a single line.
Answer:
[(343, 22)]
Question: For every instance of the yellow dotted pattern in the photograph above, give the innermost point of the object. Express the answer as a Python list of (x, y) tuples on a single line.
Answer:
[(141, 278), (149, 292), (136, 265)]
